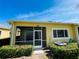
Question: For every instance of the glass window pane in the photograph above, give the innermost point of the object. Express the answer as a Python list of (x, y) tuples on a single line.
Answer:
[(37, 42), (54, 33), (60, 33), (66, 33), (37, 35), (29, 35)]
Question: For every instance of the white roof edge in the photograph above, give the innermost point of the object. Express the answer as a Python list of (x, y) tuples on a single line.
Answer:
[(11, 21)]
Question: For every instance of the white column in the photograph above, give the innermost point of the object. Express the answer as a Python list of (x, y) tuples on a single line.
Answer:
[(13, 35)]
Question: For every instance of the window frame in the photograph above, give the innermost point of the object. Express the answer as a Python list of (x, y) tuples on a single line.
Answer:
[(57, 35)]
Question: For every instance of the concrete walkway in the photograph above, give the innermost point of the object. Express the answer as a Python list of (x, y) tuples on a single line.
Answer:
[(37, 54)]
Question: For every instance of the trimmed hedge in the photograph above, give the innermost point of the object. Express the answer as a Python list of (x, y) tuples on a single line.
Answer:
[(15, 51), (70, 51)]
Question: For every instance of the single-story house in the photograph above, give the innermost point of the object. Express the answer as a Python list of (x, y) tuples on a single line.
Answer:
[(40, 34), (5, 35), (4, 32)]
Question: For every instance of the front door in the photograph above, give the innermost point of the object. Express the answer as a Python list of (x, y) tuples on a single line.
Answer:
[(37, 41)]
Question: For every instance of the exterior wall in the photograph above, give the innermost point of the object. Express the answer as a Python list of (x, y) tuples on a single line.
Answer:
[(4, 33), (49, 27), (71, 30)]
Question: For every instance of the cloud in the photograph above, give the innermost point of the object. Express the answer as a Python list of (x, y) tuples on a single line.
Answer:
[(26, 15), (66, 11), (1, 26), (72, 21)]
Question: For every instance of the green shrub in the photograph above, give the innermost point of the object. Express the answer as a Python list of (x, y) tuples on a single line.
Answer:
[(15, 51), (72, 40), (70, 51)]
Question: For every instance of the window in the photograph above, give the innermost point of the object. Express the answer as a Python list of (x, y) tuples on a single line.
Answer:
[(60, 33), (0, 32), (29, 35)]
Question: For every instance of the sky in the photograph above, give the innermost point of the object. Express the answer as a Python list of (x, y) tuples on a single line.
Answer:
[(39, 10)]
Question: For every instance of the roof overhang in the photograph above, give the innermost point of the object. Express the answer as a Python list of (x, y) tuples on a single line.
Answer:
[(13, 21)]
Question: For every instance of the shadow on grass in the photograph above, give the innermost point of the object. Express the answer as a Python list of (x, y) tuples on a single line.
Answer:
[(49, 53)]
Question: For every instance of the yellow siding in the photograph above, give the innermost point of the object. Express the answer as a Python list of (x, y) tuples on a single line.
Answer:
[(4, 33), (49, 27), (69, 27)]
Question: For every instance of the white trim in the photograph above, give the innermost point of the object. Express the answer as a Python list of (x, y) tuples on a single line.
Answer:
[(40, 46), (24, 41), (61, 37)]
